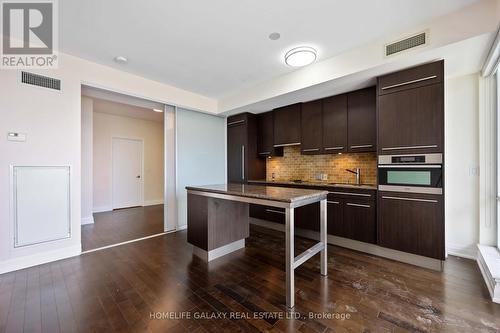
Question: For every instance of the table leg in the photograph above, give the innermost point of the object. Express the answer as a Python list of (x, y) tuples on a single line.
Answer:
[(323, 233), (290, 272)]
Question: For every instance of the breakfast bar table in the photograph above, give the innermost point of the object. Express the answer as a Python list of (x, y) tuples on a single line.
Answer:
[(218, 222)]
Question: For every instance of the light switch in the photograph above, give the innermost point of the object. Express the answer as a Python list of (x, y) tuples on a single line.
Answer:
[(14, 136)]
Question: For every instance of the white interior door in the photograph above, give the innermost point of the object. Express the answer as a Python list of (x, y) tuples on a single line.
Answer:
[(127, 173)]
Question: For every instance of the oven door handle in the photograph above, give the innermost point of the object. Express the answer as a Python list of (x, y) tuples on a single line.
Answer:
[(409, 166)]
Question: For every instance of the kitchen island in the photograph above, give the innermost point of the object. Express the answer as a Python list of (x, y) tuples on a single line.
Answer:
[(218, 222)]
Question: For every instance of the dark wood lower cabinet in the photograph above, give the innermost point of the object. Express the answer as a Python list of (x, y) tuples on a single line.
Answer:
[(411, 223), (306, 217), (360, 220), (335, 218), (352, 218), (350, 214)]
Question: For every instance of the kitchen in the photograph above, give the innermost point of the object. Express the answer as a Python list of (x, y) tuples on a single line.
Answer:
[(325, 168), (374, 155)]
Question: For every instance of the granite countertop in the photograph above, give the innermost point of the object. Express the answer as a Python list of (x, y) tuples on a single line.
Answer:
[(282, 194), (319, 184)]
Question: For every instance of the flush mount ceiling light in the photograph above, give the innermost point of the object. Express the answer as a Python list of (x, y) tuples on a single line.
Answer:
[(120, 59), (300, 56), (157, 110)]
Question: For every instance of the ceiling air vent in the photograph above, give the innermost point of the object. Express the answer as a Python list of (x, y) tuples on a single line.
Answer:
[(405, 44), (40, 81)]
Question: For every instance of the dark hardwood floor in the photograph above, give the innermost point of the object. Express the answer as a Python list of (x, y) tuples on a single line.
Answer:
[(131, 288), (122, 225)]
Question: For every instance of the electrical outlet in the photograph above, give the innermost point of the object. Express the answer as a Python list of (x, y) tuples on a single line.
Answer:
[(324, 176)]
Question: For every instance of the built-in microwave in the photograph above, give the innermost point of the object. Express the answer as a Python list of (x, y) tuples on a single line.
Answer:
[(411, 173)]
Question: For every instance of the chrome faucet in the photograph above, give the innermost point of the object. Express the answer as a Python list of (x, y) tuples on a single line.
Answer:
[(357, 172)]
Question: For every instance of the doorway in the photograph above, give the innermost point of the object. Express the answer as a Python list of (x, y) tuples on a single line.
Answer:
[(123, 169), (127, 164)]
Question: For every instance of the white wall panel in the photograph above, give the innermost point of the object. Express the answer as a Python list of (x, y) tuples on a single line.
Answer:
[(41, 200)]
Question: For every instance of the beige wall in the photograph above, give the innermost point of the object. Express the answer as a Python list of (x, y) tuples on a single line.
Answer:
[(106, 127)]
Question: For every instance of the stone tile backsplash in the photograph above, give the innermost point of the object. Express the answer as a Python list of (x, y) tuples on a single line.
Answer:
[(293, 165)]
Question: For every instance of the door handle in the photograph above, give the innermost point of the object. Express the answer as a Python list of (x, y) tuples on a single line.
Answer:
[(410, 82), (409, 199), (361, 146), (357, 205), (409, 147), (138, 177)]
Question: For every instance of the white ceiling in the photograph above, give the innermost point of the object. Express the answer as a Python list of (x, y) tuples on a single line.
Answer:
[(215, 48)]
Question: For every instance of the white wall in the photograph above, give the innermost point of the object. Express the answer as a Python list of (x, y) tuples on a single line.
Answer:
[(200, 154), (86, 165), (462, 165), (52, 122), (107, 126)]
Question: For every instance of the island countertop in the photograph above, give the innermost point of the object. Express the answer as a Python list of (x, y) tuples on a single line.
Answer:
[(266, 192)]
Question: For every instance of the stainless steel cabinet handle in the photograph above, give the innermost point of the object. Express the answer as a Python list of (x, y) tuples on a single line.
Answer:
[(265, 153), (410, 199), (243, 162), (357, 205), (311, 149), (409, 147), (286, 144), (349, 193), (407, 166), (361, 146), (410, 82), (333, 202), (235, 122), (275, 211), (334, 148)]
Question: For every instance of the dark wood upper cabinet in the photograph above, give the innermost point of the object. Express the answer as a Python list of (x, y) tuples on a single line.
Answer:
[(311, 127), (287, 125), (265, 136), (411, 223), (411, 78), (361, 120), (411, 117), (243, 163), (335, 124)]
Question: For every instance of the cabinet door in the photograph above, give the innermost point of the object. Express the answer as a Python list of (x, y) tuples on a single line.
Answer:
[(411, 78), (307, 217), (287, 125), (361, 120), (265, 136), (360, 220), (335, 124), (411, 121), (311, 127), (236, 142), (335, 218), (411, 223)]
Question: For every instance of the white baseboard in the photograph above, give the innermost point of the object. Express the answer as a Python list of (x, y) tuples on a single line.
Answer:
[(463, 251), (102, 209), (87, 220), (488, 260), (181, 227), (153, 202), (39, 259)]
